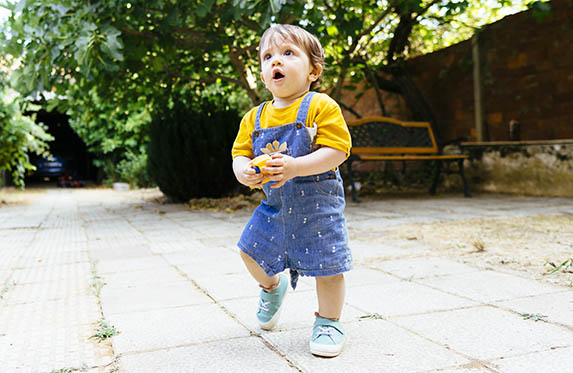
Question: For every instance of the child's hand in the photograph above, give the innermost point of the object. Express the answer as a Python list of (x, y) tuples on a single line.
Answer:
[(281, 169), (249, 177)]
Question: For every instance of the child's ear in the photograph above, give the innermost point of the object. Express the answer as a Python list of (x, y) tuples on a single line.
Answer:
[(262, 77), (315, 73)]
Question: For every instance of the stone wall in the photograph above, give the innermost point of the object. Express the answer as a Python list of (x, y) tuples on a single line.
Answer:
[(526, 76), (534, 168)]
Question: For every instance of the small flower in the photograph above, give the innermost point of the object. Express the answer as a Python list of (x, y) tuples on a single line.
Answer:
[(274, 148)]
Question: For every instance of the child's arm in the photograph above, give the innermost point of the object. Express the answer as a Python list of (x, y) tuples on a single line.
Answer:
[(283, 167), (245, 174)]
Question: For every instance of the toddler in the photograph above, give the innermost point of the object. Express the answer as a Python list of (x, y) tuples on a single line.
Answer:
[(300, 225)]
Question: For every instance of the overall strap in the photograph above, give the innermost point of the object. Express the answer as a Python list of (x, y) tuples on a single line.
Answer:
[(258, 117), (303, 108)]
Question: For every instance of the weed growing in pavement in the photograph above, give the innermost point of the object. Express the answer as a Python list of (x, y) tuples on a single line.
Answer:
[(104, 331), (84, 368), (563, 267), (8, 285), (97, 282), (533, 316), (479, 245), (374, 315)]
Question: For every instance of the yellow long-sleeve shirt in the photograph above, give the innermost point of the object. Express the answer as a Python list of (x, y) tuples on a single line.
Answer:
[(332, 130)]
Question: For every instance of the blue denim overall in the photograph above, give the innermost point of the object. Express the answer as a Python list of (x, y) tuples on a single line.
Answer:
[(301, 225)]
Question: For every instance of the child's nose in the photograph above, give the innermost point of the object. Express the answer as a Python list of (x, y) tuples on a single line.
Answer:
[(277, 61)]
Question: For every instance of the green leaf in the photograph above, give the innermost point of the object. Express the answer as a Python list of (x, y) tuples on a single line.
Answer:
[(276, 6), (332, 30)]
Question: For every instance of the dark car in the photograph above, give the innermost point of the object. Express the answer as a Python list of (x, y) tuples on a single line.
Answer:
[(48, 168)]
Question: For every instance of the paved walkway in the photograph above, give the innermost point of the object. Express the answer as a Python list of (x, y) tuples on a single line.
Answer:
[(171, 282)]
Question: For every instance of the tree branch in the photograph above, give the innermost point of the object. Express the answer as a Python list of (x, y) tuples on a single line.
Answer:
[(238, 64), (348, 108), (374, 81), (336, 92)]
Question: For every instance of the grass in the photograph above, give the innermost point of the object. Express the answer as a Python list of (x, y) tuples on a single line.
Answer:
[(84, 368), (374, 315), (563, 267), (8, 285), (104, 331), (533, 316)]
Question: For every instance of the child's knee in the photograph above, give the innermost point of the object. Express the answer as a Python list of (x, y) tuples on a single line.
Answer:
[(327, 280)]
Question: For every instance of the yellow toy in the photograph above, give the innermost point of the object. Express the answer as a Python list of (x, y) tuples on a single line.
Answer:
[(259, 162), (268, 151)]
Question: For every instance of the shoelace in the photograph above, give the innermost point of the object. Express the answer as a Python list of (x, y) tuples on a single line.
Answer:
[(325, 330), (264, 305)]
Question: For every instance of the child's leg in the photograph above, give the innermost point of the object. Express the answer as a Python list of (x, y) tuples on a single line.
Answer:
[(330, 291), (266, 282)]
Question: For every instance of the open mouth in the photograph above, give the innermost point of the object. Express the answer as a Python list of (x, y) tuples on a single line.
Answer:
[(278, 75)]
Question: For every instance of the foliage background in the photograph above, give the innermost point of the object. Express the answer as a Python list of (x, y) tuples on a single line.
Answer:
[(114, 65)]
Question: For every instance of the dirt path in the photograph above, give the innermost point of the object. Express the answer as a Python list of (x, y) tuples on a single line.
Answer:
[(539, 246)]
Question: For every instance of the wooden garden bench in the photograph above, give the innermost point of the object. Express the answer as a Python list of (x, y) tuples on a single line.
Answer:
[(388, 139)]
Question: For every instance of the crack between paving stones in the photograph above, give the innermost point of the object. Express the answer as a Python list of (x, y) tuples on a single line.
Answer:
[(96, 281)]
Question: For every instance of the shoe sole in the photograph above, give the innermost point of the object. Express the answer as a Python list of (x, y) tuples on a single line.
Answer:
[(269, 325), (324, 350)]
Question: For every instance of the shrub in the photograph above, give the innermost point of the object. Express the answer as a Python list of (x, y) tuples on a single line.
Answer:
[(133, 169), (189, 152), (19, 137)]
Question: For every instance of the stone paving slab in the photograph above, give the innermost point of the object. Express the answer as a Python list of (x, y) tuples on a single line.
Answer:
[(153, 276), (403, 298), (553, 360), (237, 355), (132, 264), (49, 348), (151, 297), (484, 286), (487, 333), (557, 307), (417, 268), (376, 345), (173, 327)]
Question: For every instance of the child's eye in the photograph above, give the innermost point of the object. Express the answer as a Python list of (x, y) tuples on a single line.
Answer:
[(288, 52), (267, 56)]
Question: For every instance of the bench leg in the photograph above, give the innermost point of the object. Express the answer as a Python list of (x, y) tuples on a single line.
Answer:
[(437, 171), (351, 179), (463, 176)]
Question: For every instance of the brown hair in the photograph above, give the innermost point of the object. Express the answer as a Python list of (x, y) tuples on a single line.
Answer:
[(300, 37)]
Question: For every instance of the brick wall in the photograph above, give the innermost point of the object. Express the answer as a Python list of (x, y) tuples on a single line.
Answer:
[(527, 75)]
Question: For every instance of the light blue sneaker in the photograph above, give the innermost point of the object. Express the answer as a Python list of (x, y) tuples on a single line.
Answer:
[(270, 305), (327, 338)]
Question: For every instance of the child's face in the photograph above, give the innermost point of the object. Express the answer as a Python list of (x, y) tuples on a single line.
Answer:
[(286, 69)]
